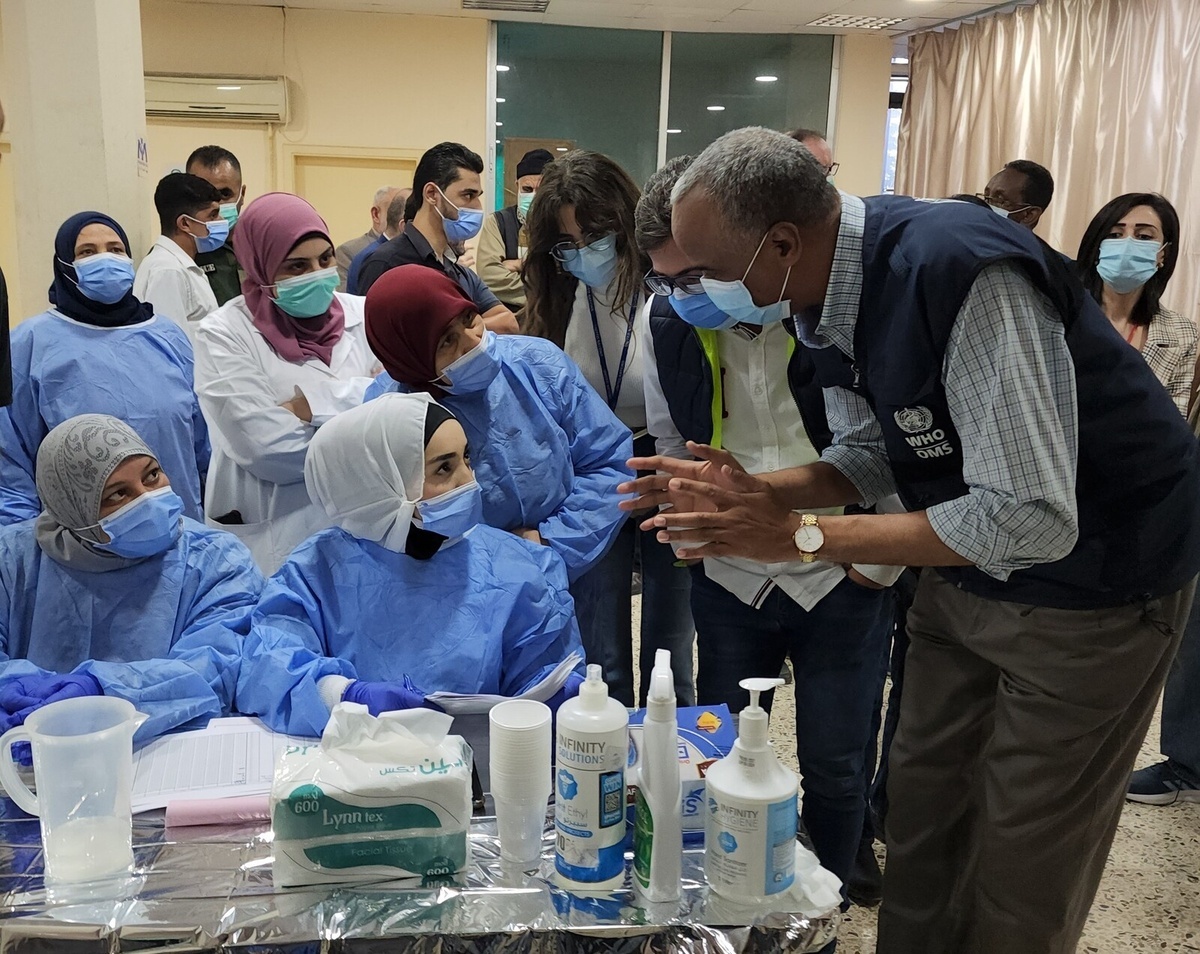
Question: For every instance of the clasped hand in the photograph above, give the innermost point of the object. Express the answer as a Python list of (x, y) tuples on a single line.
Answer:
[(715, 508)]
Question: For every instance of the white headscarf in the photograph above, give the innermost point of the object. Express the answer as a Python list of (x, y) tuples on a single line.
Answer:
[(366, 467)]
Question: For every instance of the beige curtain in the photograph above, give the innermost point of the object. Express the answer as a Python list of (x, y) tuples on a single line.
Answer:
[(1104, 93)]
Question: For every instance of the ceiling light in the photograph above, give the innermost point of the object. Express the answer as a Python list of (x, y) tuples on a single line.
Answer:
[(498, 123), (560, 148), (229, 89), (497, 142), (766, 79), (673, 131), (900, 60), (501, 99), (845, 21), (716, 109), (501, 68)]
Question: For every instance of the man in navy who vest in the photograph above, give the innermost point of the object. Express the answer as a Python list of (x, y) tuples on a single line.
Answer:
[(750, 389), (1053, 495)]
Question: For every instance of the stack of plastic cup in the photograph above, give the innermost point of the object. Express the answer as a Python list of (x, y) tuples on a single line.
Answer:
[(520, 776)]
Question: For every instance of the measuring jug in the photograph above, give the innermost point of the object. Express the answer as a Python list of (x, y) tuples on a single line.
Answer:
[(83, 770)]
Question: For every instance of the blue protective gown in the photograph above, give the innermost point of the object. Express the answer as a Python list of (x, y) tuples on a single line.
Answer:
[(164, 634), (546, 450), (140, 374), (490, 614)]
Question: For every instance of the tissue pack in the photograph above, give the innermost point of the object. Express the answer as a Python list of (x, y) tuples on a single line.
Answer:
[(706, 735), (376, 798)]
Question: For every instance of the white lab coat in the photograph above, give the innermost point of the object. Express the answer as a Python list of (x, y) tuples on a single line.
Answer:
[(175, 285), (259, 447)]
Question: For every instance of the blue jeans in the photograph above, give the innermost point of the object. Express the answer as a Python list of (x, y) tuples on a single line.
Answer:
[(836, 651), (602, 605), (1180, 738)]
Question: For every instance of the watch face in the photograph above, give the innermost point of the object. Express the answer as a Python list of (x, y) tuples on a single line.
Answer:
[(809, 539)]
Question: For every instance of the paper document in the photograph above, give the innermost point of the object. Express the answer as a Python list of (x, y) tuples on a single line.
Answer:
[(463, 704), (228, 758)]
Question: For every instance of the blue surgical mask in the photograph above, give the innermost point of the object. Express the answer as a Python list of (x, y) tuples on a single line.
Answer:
[(466, 226), (307, 296), (229, 212), (475, 370), (105, 277), (453, 513), (1003, 213), (144, 527), (595, 264), (524, 201), (1127, 264), (218, 232), (699, 311), (735, 300)]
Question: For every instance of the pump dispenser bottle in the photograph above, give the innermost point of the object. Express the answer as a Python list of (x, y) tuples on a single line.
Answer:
[(592, 744), (750, 829), (658, 819)]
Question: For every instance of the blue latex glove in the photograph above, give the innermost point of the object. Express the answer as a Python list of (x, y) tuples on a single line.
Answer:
[(22, 753), (25, 694), (569, 690), (385, 696)]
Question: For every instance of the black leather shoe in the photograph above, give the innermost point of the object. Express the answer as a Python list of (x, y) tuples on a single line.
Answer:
[(865, 887)]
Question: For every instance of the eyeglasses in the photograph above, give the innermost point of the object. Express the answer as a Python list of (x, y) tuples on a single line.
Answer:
[(1000, 204), (664, 284), (567, 252), (833, 168)]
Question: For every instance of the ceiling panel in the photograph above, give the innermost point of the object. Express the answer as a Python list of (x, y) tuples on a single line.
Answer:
[(785, 16)]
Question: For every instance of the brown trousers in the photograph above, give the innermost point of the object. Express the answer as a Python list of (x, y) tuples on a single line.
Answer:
[(1019, 726)]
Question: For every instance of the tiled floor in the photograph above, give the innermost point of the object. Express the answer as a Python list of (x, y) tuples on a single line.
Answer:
[(1149, 900)]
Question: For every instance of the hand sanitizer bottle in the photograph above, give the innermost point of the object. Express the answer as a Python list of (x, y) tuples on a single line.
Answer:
[(750, 829), (658, 821)]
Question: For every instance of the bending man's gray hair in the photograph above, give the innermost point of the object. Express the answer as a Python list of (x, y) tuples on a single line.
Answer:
[(395, 210), (758, 177), (652, 217), (380, 194)]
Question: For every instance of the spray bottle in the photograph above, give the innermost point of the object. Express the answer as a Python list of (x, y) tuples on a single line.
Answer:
[(589, 805), (750, 830), (658, 831)]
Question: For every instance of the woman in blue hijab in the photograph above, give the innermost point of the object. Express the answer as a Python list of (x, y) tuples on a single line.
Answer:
[(97, 349)]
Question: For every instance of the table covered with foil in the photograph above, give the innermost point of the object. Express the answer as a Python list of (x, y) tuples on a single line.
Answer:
[(210, 889)]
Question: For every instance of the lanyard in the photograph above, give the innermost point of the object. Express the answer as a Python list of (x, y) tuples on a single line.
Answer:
[(611, 392)]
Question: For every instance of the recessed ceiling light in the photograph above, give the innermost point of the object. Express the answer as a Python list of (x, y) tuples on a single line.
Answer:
[(501, 68), (716, 109), (850, 22), (229, 89), (766, 79), (500, 99), (560, 148), (497, 142), (498, 123), (673, 131)]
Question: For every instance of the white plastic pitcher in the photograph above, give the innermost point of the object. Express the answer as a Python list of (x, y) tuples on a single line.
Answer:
[(83, 769)]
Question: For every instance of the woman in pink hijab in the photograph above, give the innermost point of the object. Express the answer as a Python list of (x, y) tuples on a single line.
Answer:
[(273, 365)]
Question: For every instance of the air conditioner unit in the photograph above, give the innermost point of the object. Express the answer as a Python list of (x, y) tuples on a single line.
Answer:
[(257, 99)]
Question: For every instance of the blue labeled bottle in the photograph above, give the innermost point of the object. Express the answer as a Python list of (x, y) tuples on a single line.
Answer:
[(591, 748)]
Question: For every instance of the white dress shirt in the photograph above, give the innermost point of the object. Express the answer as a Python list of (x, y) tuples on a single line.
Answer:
[(175, 285), (258, 447), (763, 429)]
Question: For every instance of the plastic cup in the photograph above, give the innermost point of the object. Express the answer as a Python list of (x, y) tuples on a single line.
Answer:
[(83, 766), (520, 824), (520, 750)]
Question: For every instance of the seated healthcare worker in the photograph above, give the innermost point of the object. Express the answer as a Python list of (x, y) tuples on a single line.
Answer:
[(548, 452), (409, 593), (99, 350), (110, 591), (273, 365)]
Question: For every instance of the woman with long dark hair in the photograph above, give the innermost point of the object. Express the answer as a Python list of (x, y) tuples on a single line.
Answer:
[(584, 291), (1126, 257)]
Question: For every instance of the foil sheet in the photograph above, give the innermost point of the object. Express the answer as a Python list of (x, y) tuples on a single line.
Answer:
[(210, 889)]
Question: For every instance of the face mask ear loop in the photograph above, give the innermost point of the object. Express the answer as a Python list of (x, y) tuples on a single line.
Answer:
[(761, 243), (787, 276)]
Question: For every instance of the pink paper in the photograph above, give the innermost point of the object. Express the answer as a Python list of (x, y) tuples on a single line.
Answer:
[(218, 811)]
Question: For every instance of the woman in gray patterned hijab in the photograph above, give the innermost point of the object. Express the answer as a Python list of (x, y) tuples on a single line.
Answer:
[(74, 463)]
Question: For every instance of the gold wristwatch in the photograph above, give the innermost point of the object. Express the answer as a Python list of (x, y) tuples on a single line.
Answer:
[(809, 538)]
